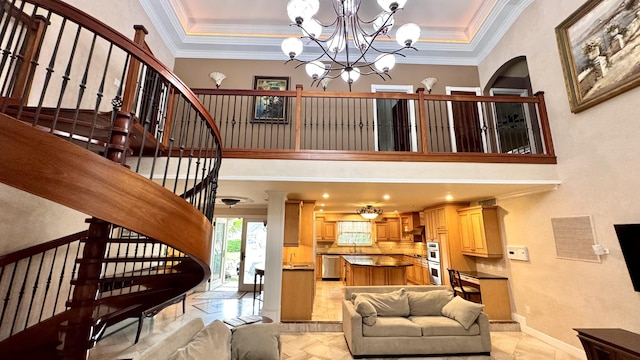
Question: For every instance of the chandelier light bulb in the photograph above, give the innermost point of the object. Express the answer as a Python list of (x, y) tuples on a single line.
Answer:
[(408, 34), (391, 5), (292, 47), (325, 82), (385, 62), (312, 28), (315, 69), (301, 10), (383, 23), (350, 75), (336, 44)]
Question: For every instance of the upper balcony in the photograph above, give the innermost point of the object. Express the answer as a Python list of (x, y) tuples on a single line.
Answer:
[(380, 126)]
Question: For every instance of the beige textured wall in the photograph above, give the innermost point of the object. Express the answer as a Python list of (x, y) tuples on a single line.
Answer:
[(122, 15), (240, 73), (22, 212), (597, 163)]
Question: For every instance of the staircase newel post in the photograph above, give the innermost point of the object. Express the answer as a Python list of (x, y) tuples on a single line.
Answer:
[(79, 334)]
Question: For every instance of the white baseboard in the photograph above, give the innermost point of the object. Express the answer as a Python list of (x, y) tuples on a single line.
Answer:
[(569, 349)]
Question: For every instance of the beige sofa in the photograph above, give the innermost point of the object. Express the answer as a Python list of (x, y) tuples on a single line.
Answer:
[(412, 320), (216, 341)]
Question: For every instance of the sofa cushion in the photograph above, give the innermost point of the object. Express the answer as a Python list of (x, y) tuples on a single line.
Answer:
[(392, 327), (393, 303), (443, 326), (256, 342), (366, 310), (463, 311), (428, 303), (212, 342)]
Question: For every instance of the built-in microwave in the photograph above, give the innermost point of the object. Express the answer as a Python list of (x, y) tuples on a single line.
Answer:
[(433, 251)]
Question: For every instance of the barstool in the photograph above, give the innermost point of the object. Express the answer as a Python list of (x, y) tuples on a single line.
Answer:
[(257, 283)]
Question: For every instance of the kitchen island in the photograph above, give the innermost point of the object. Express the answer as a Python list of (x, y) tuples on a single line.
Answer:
[(363, 270)]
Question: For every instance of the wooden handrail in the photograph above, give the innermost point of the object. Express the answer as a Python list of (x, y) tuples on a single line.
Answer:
[(100, 186)]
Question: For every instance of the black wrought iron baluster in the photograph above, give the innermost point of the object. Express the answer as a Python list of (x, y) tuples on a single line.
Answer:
[(162, 113), (48, 285), (184, 146), (199, 158), (83, 87), (233, 122), (6, 51), (99, 95), (35, 290), (49, 71), (183, 133), (23, 287), (147, 112), (15, 62), (61, 278), (171, 141), (34, 64), (65, 80), (7, 295)]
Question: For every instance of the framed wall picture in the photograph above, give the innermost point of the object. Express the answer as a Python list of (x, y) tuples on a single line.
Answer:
[(599, 51), (271, 109)]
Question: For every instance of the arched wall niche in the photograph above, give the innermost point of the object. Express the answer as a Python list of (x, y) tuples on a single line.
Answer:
[(514, 74)]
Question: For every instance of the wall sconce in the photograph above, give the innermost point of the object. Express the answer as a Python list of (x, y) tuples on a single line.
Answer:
[(217, 77), (429, 82)]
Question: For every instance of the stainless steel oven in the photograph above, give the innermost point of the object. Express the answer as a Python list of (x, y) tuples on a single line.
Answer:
[(433, 257)]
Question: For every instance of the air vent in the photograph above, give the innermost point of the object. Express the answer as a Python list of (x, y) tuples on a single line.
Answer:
[(488, 202)]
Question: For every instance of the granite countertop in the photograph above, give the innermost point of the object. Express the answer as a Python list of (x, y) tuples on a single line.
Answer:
[(374, 260), (299, 266), (481, 275)]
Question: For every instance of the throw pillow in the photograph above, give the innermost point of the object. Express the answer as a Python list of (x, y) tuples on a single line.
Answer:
[(366, 310), (393, 303), (256, 342), (428, 303), (463, 311), (212, 342)]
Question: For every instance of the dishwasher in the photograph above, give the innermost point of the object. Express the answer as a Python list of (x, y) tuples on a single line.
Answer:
[(331, 267)]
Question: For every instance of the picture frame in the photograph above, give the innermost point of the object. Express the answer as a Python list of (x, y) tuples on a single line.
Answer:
[(270, 109), (598, 50)]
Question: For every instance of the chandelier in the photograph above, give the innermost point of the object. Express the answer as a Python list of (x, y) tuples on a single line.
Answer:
[(369, 212), (347, 50)]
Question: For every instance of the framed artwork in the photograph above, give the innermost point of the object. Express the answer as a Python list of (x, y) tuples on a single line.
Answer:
[(599, 51), (270, 109)]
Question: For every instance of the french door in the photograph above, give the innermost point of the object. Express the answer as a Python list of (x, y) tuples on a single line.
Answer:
[(252, 252)]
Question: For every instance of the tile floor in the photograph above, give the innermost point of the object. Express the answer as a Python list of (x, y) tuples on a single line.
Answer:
[(297, 342)]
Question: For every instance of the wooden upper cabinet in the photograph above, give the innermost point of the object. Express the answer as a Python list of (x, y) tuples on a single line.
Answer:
[(325, 230), (394, 228), (292, 223), (480, 232), (382, 231)]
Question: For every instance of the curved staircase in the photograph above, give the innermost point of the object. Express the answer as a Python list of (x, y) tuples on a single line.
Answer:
[(140, 160)]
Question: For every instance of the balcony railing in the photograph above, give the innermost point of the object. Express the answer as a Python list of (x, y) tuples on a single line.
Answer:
[(382, 126)]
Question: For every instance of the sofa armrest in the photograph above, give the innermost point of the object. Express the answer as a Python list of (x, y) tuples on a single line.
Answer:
[(483, 322), (351, 324)]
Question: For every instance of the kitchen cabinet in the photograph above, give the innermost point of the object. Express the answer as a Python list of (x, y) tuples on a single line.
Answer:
[(325, 230), (435, 222), (446, 231), (389, 229), (318, 267), (298, 291), (480, 232), (292, 223), (415, 273)]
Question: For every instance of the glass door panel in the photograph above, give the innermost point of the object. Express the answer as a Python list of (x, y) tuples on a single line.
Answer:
[(254, 247)]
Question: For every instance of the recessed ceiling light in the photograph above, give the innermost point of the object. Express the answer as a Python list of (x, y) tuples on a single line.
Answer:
[(321, 204), (449, 197), (321, 210), (325, 196), (386, 197)]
